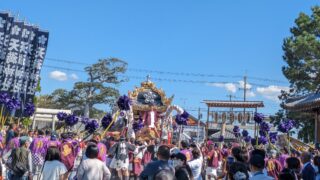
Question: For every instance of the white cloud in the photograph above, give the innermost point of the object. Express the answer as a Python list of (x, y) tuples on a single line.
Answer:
[(250, 94), (271, 92), (241, 85), (58, 75), (230, 87), (74, 76)]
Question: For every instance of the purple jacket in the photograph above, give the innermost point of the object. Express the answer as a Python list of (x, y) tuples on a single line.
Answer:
[(39, 145)]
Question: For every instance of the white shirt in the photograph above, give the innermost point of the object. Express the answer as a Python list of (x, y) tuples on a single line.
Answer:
[(91, 169), (137, 153), (53, 170), (195, 166)]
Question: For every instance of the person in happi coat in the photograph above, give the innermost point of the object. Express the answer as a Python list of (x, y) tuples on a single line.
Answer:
[(212, 161), (102, 155), (283, 156), (273, 166), (185, 150), (149, 154), (38, 150), (13, 143), (53, 142), (137, 158), (10, 133), (76, 145), (69, 151), (120, 160)]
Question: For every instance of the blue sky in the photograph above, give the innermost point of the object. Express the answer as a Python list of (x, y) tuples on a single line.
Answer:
[(229, 38)]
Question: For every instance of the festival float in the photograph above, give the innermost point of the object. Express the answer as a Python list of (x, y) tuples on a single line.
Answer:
[(146, 113)]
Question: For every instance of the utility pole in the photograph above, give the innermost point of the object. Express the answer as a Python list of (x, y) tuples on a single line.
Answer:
[(198, 130), (244, 96)]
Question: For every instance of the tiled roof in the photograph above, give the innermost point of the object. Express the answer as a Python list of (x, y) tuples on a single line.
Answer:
[(234, 104), (303, 103)]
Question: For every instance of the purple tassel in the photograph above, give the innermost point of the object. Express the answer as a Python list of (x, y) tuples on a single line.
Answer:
[(29, 109), (247, 139), (263, 140), (71, 120), (265, 127), (92, 126), (258, 117), (106, 120), (245, 133), (124, 103), (62, 116), (221, 138), (13, 104), (285, 126), (181, 119), (4, 98)]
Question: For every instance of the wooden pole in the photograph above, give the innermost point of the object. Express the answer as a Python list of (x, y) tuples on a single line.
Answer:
[(207, 125), (255, 126), (198, 130), (53, 123), (317, 127)]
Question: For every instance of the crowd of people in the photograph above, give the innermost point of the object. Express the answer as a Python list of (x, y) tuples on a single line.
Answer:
[(43, 154)]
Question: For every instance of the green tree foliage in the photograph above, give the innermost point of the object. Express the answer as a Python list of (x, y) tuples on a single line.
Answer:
[(100, 88), (302, 52), (46, 101), (26, 122), (302, 69)]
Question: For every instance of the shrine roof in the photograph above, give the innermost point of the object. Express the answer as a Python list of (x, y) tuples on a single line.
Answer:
[(303, 103), (192, 121), (228, 136), (234, 104)]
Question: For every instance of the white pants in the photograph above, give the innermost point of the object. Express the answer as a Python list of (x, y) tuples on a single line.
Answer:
[(210, 171)]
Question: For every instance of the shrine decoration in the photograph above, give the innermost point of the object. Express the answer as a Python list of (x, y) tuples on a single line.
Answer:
[(285, 126), (151, 105), (8, 105), (258, 118)]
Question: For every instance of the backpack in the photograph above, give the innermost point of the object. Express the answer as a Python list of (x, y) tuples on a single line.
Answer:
[(164, 174), (19, 164)]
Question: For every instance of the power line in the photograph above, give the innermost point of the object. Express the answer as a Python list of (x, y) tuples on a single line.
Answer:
[(155, 78), (174, 73)]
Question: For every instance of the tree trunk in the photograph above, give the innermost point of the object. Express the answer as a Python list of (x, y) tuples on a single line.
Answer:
[(86, 112)]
